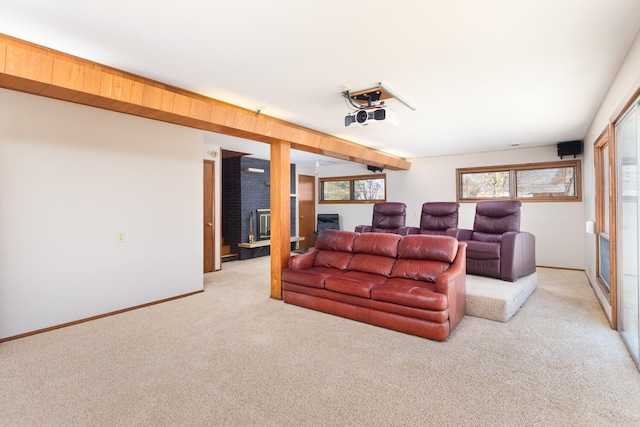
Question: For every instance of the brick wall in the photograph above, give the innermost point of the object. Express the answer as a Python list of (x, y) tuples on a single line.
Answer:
[(243, 193)]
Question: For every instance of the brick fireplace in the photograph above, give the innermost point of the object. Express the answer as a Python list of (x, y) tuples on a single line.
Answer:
[(246, 195)]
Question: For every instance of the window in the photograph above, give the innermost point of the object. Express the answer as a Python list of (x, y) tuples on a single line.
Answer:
[(353, 189), (534, 182)]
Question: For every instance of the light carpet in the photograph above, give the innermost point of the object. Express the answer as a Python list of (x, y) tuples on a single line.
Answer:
[(231, 356), (496, 299)]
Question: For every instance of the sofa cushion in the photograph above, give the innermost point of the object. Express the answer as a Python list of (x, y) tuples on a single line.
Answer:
[(377, 244), (313, 277), (372, 264), (335, 240), (483, 250), (332, 259), (416, 269), (427, 247), (410, 293), (354, 283)]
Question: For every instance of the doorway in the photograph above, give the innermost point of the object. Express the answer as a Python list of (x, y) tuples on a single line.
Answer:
[(209, 214), (307, 210)]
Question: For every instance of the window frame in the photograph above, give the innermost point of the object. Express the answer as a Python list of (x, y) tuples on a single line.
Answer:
[(351, 180), (512, 169)]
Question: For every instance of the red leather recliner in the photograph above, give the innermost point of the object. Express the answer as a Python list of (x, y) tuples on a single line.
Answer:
[(496, 247), (388, 217)]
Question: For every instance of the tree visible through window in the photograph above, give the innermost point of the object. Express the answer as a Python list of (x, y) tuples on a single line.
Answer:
[(484, 185), (354, 189), (528, 182)]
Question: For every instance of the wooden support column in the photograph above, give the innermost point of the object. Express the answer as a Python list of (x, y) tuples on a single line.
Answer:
[(280, 188)]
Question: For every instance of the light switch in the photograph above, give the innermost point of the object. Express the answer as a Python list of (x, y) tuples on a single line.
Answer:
[(121, 237)]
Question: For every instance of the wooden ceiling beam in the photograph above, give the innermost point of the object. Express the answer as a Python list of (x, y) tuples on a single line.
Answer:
[(34, 69)]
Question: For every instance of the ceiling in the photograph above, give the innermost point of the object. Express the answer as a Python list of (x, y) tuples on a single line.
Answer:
[(483, 75)]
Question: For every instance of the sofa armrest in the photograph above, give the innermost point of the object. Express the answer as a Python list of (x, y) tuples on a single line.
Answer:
[(302, 261), (453, 283), (363, 229), (517, 255), (405, 231), (460, 233)]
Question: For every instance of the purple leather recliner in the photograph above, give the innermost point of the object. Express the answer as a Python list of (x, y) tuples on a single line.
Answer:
[(388, 217), (496, 247), (436, 218)]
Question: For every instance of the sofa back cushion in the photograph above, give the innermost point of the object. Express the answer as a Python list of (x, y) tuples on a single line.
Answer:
[(332, 259), (335, 240), (424, 257), (334, 248), (385, 245), (374, 264), (375, 253)]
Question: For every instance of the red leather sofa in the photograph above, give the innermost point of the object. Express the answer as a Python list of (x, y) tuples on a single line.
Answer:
[(414, 284)]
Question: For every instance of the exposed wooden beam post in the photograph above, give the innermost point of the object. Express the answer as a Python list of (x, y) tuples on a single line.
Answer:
[(280, 213), (30, 68)]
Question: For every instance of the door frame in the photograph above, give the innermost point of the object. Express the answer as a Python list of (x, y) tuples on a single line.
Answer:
[(209, 251)]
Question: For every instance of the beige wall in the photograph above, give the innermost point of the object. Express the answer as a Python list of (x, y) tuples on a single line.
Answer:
[(625, 83), (73, 177), (558, 227)]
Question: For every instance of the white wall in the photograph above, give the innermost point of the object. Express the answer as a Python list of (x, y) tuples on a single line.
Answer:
[(558, 226), (71, 178), (625, 83)]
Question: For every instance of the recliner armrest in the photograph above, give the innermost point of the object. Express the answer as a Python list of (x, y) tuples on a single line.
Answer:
[(517, 255), (460, 233)]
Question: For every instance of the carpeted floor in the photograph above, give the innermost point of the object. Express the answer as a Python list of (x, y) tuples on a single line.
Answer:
[(231, 356)]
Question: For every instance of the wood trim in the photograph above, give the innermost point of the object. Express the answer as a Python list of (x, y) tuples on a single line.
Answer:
[(280, 194), (30, 68), (351, 178), (560, 268), (100, 316), (577, 163), (613, 215), (602, 166)]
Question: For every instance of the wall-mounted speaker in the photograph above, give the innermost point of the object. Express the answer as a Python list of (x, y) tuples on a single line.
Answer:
[(569, 148), (374, 169)]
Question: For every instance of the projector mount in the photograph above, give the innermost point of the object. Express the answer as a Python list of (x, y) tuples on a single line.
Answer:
[(374, 97), (366, 99)]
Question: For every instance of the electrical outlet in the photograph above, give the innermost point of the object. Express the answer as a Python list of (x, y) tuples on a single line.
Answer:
[(121, 237)]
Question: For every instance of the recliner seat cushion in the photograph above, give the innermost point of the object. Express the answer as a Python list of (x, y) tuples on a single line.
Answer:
[(483, 250)]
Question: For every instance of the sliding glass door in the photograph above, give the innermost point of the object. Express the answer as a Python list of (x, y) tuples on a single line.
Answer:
[(627, 137)]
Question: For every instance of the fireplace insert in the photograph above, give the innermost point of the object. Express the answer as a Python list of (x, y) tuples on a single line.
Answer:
[(264, 224)]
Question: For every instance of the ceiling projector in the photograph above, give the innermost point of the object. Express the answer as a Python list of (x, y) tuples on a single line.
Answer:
[(372, 116)]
